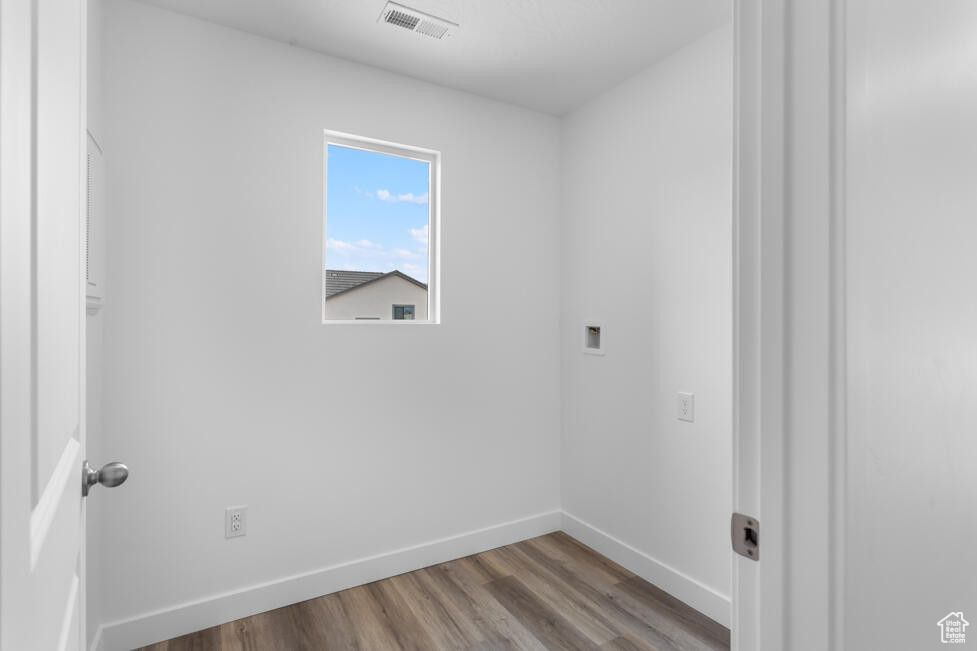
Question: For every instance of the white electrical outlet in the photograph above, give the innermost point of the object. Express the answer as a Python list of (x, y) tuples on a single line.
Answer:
[(235, 521), (686, 407)]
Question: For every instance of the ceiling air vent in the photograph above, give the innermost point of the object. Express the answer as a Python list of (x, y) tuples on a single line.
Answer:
[(417, 21)]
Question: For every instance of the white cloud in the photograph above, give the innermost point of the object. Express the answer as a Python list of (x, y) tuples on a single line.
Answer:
[(358, 247), (365, 255), (339, 245), (419, 234), (408, 197)]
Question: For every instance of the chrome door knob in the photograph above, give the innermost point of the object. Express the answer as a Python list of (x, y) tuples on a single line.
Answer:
[(111, 474)]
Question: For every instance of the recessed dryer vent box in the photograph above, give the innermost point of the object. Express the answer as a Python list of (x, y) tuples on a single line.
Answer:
[(592, 342)]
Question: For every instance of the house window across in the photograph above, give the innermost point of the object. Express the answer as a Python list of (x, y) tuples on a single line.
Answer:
[(403, 312), (380, 232)]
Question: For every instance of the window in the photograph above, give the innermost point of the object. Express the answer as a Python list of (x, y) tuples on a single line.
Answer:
[(403, 312), (380, 233)]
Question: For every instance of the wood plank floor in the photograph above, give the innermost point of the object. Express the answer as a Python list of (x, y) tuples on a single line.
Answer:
[(550, 592)]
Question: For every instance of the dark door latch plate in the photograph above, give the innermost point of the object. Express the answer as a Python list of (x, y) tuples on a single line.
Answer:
[(744, 530)]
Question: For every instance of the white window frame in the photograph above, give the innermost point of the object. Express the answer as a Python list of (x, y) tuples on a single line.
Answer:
[(433, 158)]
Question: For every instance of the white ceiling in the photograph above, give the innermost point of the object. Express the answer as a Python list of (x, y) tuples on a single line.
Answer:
[(549, 55)]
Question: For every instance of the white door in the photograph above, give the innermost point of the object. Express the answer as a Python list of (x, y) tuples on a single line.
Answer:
[(42, 323)]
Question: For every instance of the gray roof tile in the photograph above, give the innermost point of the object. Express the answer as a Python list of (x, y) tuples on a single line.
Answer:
[(338, 281)]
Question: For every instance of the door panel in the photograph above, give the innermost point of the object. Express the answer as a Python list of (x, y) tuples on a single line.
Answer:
[(55, 569), (58, 233), (58, 320), (42, 327)]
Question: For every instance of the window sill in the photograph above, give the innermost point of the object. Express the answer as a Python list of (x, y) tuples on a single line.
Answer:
[(379, 322)]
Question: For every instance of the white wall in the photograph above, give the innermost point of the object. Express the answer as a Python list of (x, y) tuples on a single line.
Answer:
[(377, 299), (221, 385), (646, 253), (911, 321)]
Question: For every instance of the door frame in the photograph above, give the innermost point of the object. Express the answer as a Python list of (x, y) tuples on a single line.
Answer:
[(789, 429)]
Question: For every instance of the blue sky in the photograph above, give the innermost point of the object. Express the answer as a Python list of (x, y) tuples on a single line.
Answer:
[(376, 212)]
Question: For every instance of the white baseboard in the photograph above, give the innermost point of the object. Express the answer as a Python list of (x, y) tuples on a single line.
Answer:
[(159, 625), (681, 586)]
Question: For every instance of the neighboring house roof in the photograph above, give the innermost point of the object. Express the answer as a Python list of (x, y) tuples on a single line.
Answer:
[(340, 282)]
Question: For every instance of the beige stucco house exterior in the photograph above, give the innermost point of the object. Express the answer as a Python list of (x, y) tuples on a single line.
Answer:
[(368, 295)]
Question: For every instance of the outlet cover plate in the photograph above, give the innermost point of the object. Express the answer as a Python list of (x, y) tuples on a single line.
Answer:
[(235, 521), (685, 407)]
